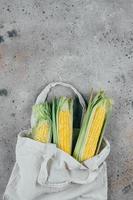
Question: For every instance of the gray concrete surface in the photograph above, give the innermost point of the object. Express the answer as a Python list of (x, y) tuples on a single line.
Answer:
[(88, 43)]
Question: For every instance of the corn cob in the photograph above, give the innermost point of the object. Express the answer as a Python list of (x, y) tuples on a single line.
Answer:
[(92, 128), (62, 116), (43, 125)]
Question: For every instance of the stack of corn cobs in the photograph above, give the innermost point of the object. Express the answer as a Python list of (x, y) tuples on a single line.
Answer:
[(54, 123)]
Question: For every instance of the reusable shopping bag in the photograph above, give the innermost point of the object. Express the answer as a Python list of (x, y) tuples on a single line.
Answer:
[(44, 172)]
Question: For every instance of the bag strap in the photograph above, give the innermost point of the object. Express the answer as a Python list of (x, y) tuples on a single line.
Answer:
[(84, 174), (44, 93)]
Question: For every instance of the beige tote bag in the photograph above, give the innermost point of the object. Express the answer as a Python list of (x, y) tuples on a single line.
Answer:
[(44, 172)]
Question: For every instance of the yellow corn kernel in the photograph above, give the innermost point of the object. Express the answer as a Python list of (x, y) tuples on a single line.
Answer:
[(42, 133), (94, 133), (65, 131)]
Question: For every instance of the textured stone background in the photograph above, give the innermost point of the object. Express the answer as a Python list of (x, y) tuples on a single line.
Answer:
[(88, 43)]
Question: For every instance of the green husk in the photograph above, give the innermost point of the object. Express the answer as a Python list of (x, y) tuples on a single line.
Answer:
[(42, 115), (61, 104), (98, 100)]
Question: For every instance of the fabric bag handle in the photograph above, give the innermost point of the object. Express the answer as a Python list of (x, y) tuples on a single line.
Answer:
[(44, 93)]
